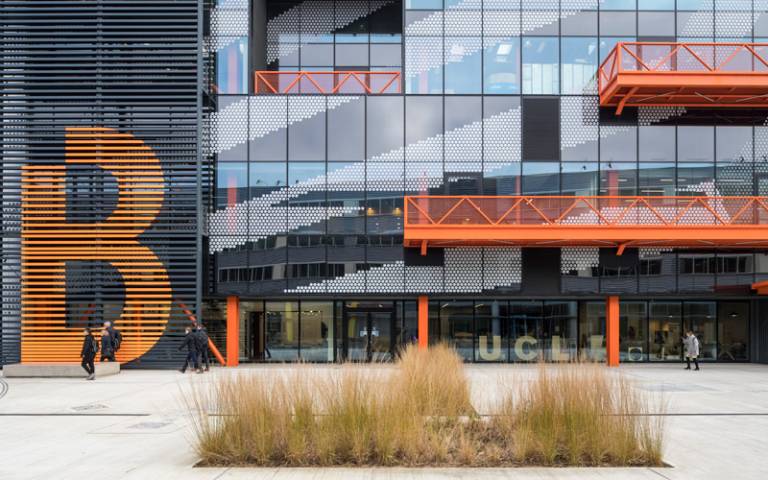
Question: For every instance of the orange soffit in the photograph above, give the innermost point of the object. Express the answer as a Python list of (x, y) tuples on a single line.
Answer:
[(603, 221), (50, 240), (328, 82), (732, 75)]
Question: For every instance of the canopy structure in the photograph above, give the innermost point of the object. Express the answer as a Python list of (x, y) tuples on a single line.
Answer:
[(599, 221), (684, 74)]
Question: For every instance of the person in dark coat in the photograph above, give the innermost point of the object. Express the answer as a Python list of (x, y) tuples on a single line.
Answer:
[(202, 346), (107, 347), (190, 343), (88, 353), (117, 337)]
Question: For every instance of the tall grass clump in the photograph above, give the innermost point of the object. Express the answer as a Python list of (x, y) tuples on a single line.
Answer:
[(579, 414), (420, 413)]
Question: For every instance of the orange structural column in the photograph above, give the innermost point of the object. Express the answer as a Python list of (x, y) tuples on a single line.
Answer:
[(423, 322), (233, 331), (612, 331)]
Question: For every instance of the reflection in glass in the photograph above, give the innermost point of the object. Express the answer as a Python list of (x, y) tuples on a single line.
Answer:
[(456, 326), (317, 332), (559, 336), (492, 342), (579, 178), (526, 319), (664, 324), (282, 332), (733, 331), (632, 332), (424, 65), (232, 66), (592, 331), (656, 179), (501, 65), (541, 61), (579, 64), (618, 179), (700, 318), (463, 65)]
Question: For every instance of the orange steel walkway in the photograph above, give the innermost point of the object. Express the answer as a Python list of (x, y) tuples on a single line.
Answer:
[(327, 82), (602, 221), (684, 74)]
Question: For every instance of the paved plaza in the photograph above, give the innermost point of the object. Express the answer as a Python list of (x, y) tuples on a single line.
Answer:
[(134, 425)]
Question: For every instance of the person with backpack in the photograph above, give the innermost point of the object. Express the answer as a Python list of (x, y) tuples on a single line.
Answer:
[(202, 346), (117, 337), (190, 343), (107, 347), (88, 353)]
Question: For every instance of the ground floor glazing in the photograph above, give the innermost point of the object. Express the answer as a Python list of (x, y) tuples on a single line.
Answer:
[(483, 330)]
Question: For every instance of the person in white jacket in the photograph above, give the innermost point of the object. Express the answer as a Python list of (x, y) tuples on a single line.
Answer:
[(691, 348)]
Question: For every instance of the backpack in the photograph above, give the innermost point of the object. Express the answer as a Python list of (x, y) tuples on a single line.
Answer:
[(94, 345), (117, 339)]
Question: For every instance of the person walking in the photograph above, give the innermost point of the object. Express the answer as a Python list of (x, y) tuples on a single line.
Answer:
[(88, 353), (691, 348), (117, 337), (202, 346), (190, 343), (107, 347)]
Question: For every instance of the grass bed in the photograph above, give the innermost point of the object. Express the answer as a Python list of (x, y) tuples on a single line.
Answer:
[(420, 414)]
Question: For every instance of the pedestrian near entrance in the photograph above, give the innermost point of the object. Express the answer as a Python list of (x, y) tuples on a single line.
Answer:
[(691, 348), (201, 335), (88, 353), (107, 347), (190, 343)]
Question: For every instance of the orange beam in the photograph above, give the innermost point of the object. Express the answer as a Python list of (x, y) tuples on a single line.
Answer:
[(598, 221), (612, 331), (233, 331), (423, 320)]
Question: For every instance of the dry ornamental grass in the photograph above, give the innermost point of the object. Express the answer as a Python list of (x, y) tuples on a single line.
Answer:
[(420, 414)]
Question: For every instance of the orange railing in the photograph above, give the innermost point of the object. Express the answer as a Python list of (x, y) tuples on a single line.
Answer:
[(669, 73), (580, 220), (327, 82)]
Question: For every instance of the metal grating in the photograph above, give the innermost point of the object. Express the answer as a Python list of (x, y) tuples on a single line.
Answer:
[(101, 70)]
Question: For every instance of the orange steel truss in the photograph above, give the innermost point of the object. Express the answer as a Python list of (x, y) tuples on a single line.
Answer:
[(601, 221), (328, 82), (684, 74)]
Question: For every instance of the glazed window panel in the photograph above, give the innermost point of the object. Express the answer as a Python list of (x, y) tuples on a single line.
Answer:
[(657, 144), (385, 130), (578, 64), (700, 317), (527, 327), (456, 323), (424, 65), (656, 179), (232, 66), (733, 331), (231, 183), (618, 179), (501, 65), (633, 331), (695, 144), (282, 331), (592, 331), (541, 65), (492, 330), (317, 332), (665, 330), (559, 333), (463, 65)]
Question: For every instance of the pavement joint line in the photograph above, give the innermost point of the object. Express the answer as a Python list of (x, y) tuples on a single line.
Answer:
[(659, 473), (29, 414)]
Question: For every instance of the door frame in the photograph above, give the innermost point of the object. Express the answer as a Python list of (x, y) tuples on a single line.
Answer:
[(344, 353)]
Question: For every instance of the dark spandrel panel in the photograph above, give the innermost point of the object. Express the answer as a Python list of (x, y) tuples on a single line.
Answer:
[(541, 128), (90, 73)]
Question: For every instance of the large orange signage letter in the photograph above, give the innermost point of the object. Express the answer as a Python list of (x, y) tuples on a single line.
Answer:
[(49, 241)]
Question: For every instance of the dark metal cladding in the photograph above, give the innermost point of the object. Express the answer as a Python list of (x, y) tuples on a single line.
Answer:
[(126, 66)]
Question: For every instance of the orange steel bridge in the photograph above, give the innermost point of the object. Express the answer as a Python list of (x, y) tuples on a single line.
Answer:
[(597, 221), (327, 82), (684, 74)]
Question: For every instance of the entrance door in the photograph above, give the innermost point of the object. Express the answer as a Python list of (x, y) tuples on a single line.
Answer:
[(256, 336), (367, 335)]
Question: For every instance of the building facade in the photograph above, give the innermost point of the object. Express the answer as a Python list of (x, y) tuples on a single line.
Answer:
[(308, 125)]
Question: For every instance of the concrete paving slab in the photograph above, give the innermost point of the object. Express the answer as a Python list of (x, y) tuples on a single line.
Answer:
[(135, 426)]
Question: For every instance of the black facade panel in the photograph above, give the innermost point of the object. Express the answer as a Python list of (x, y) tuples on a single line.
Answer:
[(541, 128), (541, 271), (128, 68)]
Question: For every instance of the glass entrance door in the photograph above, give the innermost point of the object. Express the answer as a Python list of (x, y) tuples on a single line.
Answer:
[(368, 335)]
